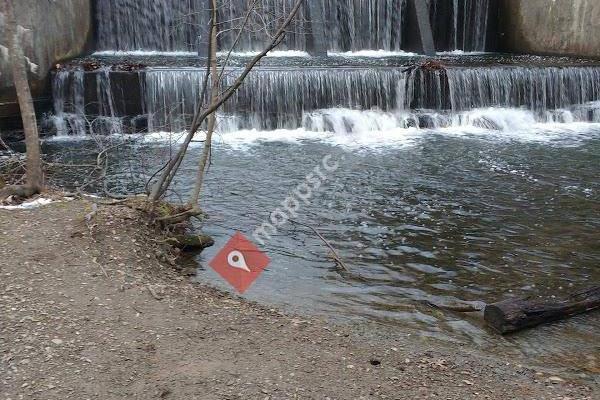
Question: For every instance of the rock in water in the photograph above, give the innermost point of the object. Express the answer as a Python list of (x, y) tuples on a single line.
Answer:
[(191, 242)]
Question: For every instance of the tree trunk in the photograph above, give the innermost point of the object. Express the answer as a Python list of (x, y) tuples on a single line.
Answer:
[(212, 118), (19, 71), (515, 314)]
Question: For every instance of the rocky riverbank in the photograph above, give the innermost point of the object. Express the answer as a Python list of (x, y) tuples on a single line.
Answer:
[(87, 310)]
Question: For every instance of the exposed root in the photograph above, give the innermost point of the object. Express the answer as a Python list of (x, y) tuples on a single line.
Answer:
[(176, 219)]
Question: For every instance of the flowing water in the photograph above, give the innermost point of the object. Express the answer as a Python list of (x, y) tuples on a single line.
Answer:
[(341, 94), (442, 215), (348, 25)]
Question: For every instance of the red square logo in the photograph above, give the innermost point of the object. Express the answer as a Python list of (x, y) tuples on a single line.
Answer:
[(239, 262)]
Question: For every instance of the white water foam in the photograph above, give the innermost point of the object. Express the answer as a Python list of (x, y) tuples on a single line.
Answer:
[(247, 138), (344, 120), (372, 53), (505, 124), (460, 53), (376, 128), (236, 138), (146, 53), (272, 53)]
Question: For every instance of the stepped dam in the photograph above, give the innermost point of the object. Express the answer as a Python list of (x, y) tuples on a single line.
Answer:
[(344, 66), (330, 94)]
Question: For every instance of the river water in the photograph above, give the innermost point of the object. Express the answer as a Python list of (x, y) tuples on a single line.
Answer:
[(468, 183), (441, 215)]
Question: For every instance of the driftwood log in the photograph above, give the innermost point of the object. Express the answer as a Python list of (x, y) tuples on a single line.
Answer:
[(515, 314)]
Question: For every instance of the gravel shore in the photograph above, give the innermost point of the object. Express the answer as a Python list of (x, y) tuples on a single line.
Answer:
[(88, 312)]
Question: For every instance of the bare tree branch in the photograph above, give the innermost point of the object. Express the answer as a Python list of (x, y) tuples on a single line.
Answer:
[(200, 116)]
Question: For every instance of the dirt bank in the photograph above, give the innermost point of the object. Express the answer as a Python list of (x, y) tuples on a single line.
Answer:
[(90, 313)]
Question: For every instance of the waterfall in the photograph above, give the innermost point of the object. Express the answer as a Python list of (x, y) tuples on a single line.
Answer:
[(475, 20), (180, 25), (365, 24), (340, 99), (107, 119), (162, 25), (270, 98), (462, 24), (477, 29), (84, 105), (339, 94), (348, 25), (537, 89), (69, 103), (349, 99)]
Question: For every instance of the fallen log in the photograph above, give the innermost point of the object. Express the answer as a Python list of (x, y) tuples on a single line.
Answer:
[(516, 314)]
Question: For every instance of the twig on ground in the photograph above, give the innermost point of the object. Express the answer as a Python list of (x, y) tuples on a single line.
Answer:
[(90, 215), (88, 220), (136, 309), (153, 293), (95, 261)]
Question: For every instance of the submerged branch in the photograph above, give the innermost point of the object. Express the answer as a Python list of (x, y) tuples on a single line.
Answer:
[(336, 257)]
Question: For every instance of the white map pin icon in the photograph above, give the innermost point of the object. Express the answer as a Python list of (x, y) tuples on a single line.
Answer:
[(235, 259)]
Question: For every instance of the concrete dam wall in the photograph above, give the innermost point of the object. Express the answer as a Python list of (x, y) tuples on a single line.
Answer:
[(50, 31), (559, 27), (56, 30)]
